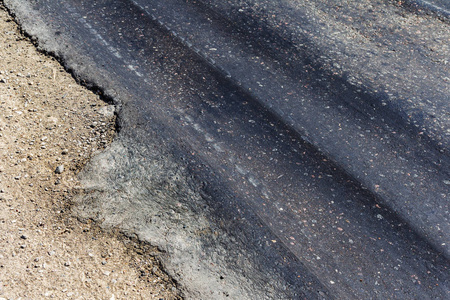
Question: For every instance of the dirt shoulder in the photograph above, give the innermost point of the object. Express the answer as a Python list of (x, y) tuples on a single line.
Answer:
[(49, 127)]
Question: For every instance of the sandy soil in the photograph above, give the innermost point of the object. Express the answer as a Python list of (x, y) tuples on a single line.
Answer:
[(49, 127)]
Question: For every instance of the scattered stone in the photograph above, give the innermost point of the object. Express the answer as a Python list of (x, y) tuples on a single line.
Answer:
[(59, 169), (65, 151), (107, 111), (23, 237)]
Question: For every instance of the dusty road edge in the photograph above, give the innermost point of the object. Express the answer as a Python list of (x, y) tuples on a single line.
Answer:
[(60, 215)]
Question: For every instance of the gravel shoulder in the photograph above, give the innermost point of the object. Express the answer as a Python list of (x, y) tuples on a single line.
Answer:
[(49, 128)]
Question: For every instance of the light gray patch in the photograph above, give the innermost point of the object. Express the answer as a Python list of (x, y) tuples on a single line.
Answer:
[(145, 192)]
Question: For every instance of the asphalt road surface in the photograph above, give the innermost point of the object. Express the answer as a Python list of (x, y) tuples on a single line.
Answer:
[(273, 149)]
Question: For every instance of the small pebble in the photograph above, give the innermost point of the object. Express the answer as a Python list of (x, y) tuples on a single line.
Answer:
[(107, 111), (59, 169)]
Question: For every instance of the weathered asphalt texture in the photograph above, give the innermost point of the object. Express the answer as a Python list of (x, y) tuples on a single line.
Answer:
[(272, 149), (441, 8)]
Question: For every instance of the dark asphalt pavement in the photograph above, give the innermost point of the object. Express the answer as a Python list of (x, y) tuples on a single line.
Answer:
[(439, 7), (301, 143)]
